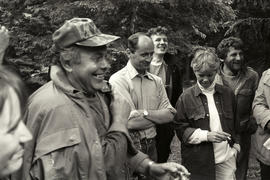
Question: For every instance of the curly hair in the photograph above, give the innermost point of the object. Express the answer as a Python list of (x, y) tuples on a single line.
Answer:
[(225, 44), (157, 30)]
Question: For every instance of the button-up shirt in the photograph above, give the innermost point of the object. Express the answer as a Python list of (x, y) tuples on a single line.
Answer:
[(142, 92)]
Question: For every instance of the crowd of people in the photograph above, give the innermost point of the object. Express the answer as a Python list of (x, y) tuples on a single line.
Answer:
[(79, 126)]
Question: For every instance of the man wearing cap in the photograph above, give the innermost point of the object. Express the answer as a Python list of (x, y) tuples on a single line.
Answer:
[(145, 94), (76, 134)]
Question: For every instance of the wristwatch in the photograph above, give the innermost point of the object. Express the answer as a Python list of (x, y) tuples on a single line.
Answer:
[(145, 113)]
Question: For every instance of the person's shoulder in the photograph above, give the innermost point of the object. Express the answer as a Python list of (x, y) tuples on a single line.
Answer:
[(121, 74), (252, 73), (266, 76), (189, 92), (224, 89), (46, 97), (155, 77)]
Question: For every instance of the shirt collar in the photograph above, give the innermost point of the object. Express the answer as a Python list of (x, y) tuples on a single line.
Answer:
[(133, 72)]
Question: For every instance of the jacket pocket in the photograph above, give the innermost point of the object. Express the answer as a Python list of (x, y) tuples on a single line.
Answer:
[(54, 155), (61, 139), (196, 113), (245, 92)]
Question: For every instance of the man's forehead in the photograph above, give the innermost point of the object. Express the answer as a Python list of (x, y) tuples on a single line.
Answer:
[(231, 48), (145, 42)]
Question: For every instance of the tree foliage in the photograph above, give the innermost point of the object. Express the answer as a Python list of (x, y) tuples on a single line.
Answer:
[(32, 23)]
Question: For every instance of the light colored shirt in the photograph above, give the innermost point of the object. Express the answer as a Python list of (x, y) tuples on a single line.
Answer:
[(142, 92), (159, 69)]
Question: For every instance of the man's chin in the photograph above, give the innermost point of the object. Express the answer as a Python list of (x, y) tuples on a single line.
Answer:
[(14, 165)]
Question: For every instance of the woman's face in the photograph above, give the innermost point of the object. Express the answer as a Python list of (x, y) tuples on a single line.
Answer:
[(205, 76), (12, 128)]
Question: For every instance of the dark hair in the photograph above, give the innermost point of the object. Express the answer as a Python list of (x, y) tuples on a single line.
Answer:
[(225, 44), (133, 41), (157, 30), (9, 79)]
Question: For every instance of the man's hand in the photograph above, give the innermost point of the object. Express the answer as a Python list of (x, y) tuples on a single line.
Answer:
[(217, 137), (4, 39), (134, 113), (120, 109), (167, 171)]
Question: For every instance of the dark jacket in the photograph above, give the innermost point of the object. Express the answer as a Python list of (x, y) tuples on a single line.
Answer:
[(244, 95), (176, 71), (193, 113)]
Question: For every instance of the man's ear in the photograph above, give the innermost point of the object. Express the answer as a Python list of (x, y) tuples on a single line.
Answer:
[(66, 64), (129, 53)]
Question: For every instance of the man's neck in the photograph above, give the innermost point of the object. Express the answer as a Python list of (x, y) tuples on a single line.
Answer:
[(141, 72), (158, 58)]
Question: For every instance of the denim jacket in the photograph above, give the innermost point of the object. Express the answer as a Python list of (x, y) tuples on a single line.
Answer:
[(193, 113)]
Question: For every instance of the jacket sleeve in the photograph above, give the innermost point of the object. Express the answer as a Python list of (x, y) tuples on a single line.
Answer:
[(260, 106), (181, 123), (116, 146)]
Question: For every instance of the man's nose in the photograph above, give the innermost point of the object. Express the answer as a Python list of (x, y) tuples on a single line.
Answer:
[(104, 64), (238, 57)]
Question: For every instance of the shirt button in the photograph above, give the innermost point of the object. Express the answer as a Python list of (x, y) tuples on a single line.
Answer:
[(72, 138), (207, 115)]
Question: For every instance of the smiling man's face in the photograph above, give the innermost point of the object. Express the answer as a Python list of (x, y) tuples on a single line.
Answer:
[(160, 43), (234, 60), (89, 74)]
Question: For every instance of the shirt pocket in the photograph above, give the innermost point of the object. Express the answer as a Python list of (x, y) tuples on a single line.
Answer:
[(195, 113), (54, 155), (197, 117)]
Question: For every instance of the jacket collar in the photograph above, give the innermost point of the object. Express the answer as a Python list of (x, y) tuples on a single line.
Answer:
[(198, 91), (59, 78)]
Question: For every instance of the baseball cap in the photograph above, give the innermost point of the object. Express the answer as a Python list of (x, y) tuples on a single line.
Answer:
[(82, 32)]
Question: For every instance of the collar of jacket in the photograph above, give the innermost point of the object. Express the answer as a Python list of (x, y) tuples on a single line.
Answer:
[(245, 74), (198, 91), (59, 78)]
